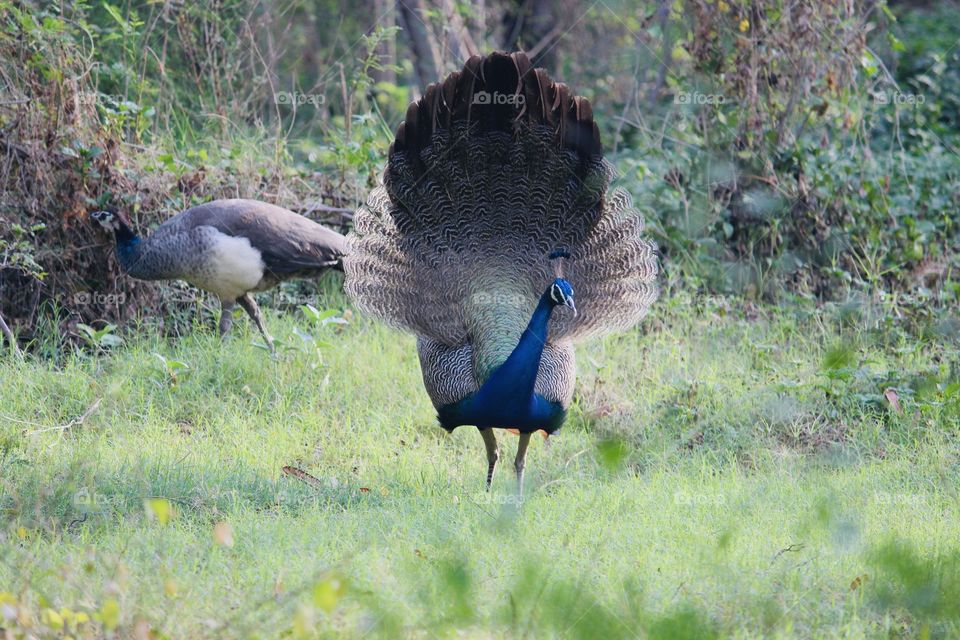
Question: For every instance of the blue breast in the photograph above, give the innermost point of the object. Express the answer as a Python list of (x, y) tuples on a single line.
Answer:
[(506, 400), (511, 412)]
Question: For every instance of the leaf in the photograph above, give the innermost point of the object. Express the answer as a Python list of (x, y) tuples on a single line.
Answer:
[(110, 340), (115, 14), (301, 475), (109, 614), (838, 357), (167, 160), (327, 593), (891, 395), (223, 534), (160, 508), (311, 312), (303, 335), (52, 619), (611, 452)]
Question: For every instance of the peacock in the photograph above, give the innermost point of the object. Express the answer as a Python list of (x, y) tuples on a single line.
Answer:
[(495, 239), (229, 248)]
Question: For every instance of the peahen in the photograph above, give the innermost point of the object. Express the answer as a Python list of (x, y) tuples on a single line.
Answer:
[(493, 217), (229, 248)]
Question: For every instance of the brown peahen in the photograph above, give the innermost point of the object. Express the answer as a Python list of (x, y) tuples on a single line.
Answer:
[(494, 216), (229, 248)]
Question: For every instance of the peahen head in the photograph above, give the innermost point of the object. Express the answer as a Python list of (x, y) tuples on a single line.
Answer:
[(111, 220), (561, 293), (127, 240)]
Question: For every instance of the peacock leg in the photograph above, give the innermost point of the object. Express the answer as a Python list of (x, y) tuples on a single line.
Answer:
[(520, 459), (250, 305), (493, 455), (226, 316)]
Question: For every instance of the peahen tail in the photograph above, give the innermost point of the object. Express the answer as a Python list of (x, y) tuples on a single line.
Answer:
[(495, 185)]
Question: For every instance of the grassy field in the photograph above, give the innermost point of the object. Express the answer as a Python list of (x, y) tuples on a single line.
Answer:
[(726, 471)]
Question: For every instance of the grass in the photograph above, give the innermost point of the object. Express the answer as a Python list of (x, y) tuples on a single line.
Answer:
[(725, 472)]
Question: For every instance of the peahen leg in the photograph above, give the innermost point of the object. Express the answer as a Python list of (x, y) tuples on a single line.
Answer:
[(493, 455), (250, 305), (226, 316), (520, 459)]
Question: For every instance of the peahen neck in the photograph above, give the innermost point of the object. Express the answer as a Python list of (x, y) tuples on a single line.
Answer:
[(128, 248)]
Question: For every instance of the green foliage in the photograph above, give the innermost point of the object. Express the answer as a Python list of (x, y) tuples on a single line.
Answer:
[(100, 339), (789, 157), (18, 246), (322, 321), (172, 371), (928, 588)]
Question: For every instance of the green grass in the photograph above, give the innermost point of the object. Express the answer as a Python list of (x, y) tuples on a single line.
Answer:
[(723, 473)]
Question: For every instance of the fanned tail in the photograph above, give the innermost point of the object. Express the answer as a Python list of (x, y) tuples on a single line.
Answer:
[(494, 171)]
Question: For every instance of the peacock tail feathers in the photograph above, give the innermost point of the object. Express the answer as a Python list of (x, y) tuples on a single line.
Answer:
[(493, 171)]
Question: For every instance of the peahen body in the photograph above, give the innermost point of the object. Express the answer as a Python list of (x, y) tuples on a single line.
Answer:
[(494, 216), (229, 248)]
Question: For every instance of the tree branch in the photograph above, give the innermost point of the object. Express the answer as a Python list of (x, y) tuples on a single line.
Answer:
[(8, 334)]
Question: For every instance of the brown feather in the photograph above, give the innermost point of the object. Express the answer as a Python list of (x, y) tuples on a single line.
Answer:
[(539, 101)]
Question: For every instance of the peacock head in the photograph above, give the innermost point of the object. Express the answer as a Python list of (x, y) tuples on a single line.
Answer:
[(561, 293)]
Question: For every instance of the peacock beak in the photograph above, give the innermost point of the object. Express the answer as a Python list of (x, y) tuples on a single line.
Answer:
[(569, 303)]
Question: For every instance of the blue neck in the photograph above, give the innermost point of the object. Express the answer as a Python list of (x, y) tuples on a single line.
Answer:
[(128, 244), (507, 398), (518, 374)]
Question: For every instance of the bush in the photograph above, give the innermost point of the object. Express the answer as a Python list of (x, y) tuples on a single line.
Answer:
[(791, 167)]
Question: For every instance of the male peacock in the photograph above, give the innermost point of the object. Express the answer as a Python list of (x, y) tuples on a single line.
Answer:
[(493, 211), (229, 248)]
